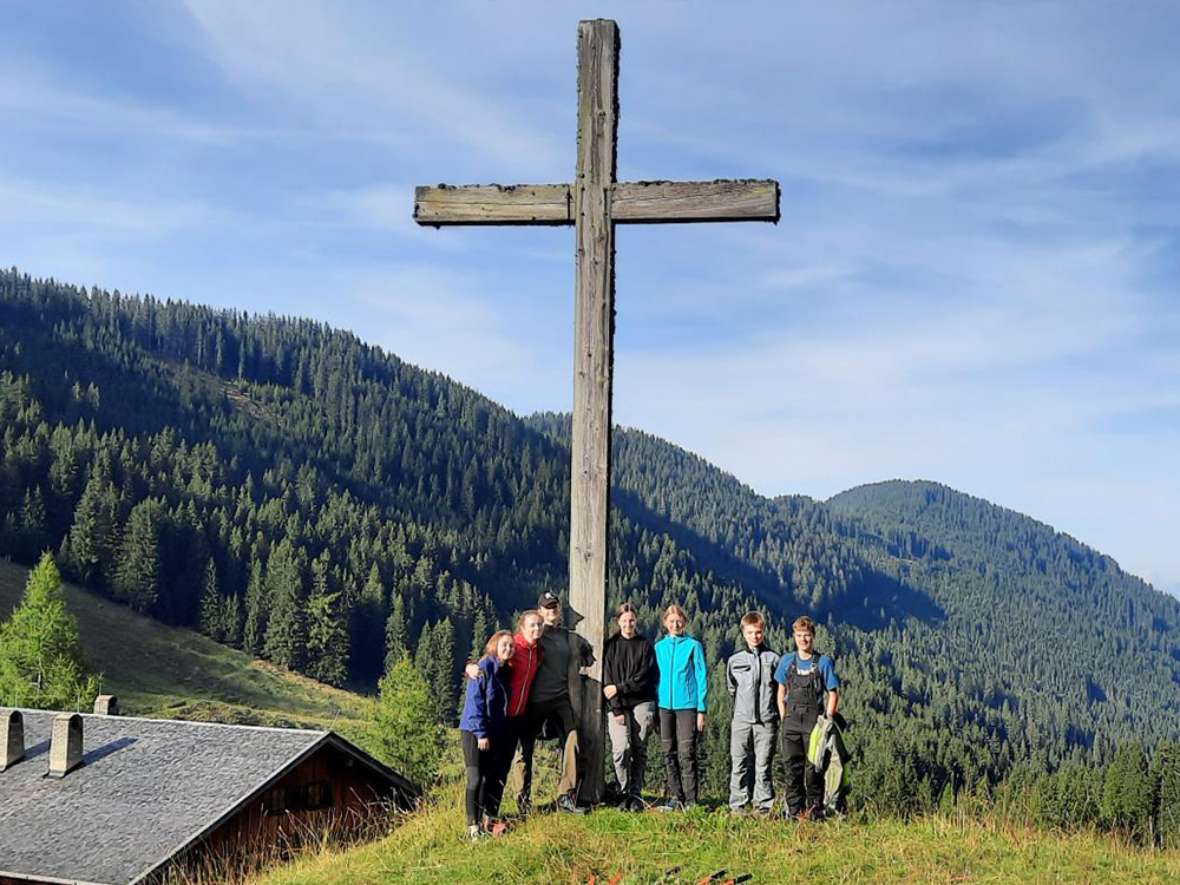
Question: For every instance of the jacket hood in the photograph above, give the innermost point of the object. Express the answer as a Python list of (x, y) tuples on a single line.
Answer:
[(523, 644)]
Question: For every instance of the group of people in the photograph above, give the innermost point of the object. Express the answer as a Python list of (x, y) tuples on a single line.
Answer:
[(527, 686)]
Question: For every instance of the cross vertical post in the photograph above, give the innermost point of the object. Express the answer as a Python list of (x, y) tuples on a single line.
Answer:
[(594, 320), (593, 204)]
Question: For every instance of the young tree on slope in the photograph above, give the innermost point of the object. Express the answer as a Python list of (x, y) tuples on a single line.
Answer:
[(40, 655), (404, 732)]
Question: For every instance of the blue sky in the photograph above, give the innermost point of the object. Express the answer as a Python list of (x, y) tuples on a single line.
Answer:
[(974, 281)]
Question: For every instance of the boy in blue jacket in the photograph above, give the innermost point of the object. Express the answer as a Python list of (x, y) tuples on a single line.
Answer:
[(803, 676), (483, 732), (683, 693)]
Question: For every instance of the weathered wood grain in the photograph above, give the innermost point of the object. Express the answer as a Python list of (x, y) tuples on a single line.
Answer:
[(634, 202), (494, 204), (594, 320), (679, 201)]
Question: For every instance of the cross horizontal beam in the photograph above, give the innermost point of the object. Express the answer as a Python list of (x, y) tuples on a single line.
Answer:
[(634, 202)]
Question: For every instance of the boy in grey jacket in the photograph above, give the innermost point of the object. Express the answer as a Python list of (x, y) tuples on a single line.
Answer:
[(752, 737)]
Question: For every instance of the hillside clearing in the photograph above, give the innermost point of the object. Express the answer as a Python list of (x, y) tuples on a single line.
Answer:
[(170, 672)]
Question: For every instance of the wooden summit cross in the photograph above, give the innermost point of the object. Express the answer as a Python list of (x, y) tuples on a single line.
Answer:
[(594, 204)]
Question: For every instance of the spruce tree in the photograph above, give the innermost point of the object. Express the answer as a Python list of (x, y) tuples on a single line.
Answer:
[(231, 620), (286, 632), (327, 636), (212, 621), (443, 670), (397, 634), (34, 524), (946, 801), (41, 662), (257, 607), (479, 636), (368, 622), (424, 651), (426, 655), (137, 575), (1166, 778), (1127, 791), (91, 537)]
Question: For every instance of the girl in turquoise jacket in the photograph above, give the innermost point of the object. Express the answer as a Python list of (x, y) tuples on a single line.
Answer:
[(683, 693)]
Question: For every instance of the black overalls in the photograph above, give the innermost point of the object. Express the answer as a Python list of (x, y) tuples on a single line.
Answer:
[(804, 697)]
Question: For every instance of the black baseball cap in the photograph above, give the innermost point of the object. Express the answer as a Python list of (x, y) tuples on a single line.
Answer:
[(548, 600)]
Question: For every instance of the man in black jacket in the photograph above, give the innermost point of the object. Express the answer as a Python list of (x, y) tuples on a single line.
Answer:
[(555, 694), (629, 677)]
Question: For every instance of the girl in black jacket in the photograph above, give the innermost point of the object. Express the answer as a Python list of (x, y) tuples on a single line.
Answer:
[(629, 678)]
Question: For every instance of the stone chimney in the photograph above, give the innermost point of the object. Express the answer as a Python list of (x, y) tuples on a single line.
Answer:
[(12, 738), (106, 705), (65, 746)]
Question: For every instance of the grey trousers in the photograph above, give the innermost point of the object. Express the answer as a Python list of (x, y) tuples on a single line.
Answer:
[(751, 746), (628, 741)]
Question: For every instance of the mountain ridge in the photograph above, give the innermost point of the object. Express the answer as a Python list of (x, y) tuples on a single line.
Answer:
[(331, 488)]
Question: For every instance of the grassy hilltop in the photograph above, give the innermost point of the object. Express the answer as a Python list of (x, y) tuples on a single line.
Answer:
[(688, 848), (170, 672), (164, 671)]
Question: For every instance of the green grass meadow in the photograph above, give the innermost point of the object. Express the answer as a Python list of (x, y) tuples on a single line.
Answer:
[(609, 846), (170, 672)]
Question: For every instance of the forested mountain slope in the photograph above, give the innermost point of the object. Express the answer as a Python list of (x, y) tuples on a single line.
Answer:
[(298, 493), (274, 480), (954, 617), (1037, 616)]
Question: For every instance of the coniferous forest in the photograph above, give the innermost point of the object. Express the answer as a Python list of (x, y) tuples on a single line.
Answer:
[(292, 491)]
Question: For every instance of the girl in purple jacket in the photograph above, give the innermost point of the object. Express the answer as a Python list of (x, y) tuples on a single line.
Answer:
[(483, 734)]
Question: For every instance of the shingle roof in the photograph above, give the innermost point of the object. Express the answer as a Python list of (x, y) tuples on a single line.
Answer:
[(146, 788)]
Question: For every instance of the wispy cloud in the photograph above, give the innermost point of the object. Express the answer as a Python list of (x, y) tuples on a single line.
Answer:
[(973, 279), (439, 318), (63, 208), (377, 86)]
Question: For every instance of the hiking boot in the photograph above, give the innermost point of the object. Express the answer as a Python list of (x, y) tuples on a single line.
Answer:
[(567, 805), (635, 803), (672, 805), (475, 833)]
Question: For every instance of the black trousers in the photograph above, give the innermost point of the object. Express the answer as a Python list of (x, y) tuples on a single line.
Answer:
[(679, 736), (804, 786), (486, 772), (556, 719)]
